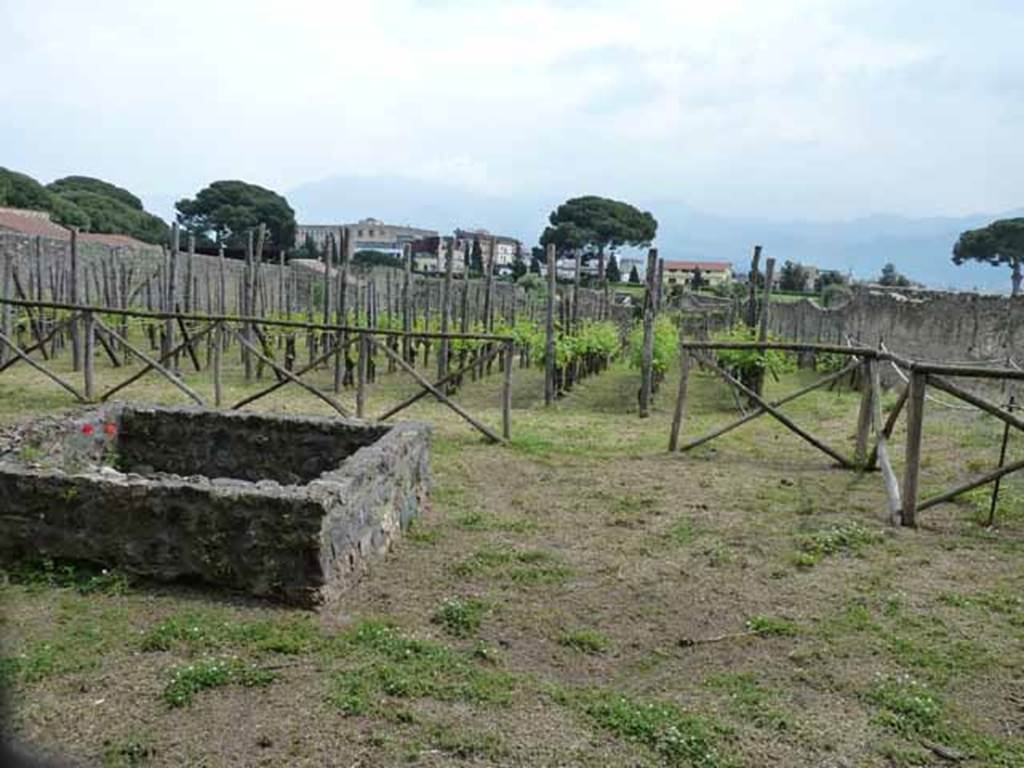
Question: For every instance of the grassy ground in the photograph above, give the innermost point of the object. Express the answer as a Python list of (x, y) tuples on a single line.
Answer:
[(579, 597)]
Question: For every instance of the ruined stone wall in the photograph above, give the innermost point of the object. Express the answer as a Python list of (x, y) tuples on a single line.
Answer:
[(287, 450), (948, 327)]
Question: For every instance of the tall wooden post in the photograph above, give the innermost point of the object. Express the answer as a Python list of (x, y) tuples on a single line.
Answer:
[(647, 353), (549, 347), (864, 417), (751, 315), (506, 392), (88, 354), (362, 367), (446, 309), (5, 311), (341, 318), (76, 342), (170, 298), (684, 377), (407, 303), (912, 459)]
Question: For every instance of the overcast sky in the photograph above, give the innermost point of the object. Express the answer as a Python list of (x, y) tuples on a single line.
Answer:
[(781, 108)]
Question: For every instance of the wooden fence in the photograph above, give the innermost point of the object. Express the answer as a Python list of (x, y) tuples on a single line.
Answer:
[(48, 325), (902, 494)]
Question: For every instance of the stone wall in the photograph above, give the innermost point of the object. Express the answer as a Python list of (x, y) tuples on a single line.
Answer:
[(237, 445), (947, 327), (297, 542)]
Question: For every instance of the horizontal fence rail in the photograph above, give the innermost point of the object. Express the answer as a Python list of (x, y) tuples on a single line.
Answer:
[(174, 340)]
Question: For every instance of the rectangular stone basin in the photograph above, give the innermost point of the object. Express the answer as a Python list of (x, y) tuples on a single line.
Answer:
[(281, 506)]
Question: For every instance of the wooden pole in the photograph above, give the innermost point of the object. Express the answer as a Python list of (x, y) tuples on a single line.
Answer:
[(76, 345), (6, 311), (892, 486), (446, 307), (680, 411), (912, 457), (362, 364), (864, 417), (647, 353), (1002, 462), (506, 392), (751, 315), (89, 354), (549, 347), (218, 353)]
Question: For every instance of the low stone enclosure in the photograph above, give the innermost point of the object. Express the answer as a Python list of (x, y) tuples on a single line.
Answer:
[(280, 506)]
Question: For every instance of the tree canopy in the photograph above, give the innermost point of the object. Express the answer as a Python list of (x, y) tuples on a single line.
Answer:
[(793, 277), (597, 224), (890, 276), (223, 211), (20, 191), (110, 208), (1001, 242)]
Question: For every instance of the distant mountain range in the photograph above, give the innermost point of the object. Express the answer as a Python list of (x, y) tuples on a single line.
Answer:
[(919, 247)]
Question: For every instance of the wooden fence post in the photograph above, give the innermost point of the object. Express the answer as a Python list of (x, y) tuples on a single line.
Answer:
[(751, 314), (680, 412), (912, 459), (76, 345), (218, 353), (6, 309), (647, 353), (506, 392), (363, 363), (860, 455), (549, 347), (88, 354)]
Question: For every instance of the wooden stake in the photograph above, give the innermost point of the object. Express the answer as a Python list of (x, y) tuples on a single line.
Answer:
[(912, 458)]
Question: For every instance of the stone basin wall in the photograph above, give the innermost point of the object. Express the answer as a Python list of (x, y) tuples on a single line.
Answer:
[(299, 542)]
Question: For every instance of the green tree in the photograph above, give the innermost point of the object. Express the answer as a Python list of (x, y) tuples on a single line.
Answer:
[(698, 281), (891, 277), (110, 208), (518, 264), (1001, 242), (225, 210), (612, 271), (476, 259), (598, 224), (634, 276), (793, 277), (20, 191), (828, 277), (377, 259), (537, 258)]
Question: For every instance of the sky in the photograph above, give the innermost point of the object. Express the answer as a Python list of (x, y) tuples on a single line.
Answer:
[(784, 109)]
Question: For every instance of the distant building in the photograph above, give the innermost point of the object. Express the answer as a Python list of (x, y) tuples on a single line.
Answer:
[(565, 268), (626, 265), (429, 254), (364, 235), (712, 272), (505, 248)]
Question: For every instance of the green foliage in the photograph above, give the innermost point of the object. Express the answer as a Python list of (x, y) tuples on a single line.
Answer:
[(111, 216), (20, 191), (461, 617), (376, 259), (751, 701), (634, 276), (666, 342), (678, 738), (891, 277), (590, 641), (597, 224), (1001, 242), (908, 708), (611, 270), (188, 680), (225, 210), (793, 277), (75, 184), (745, 364), (60, 575)]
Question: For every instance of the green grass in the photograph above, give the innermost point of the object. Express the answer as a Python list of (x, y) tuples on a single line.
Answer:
[(461, 617), (589, 641), (676, 737), (520, 566), (204, 631), (849, 537), (751, 701), (191, 679), (771, 626), (382, 665)]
